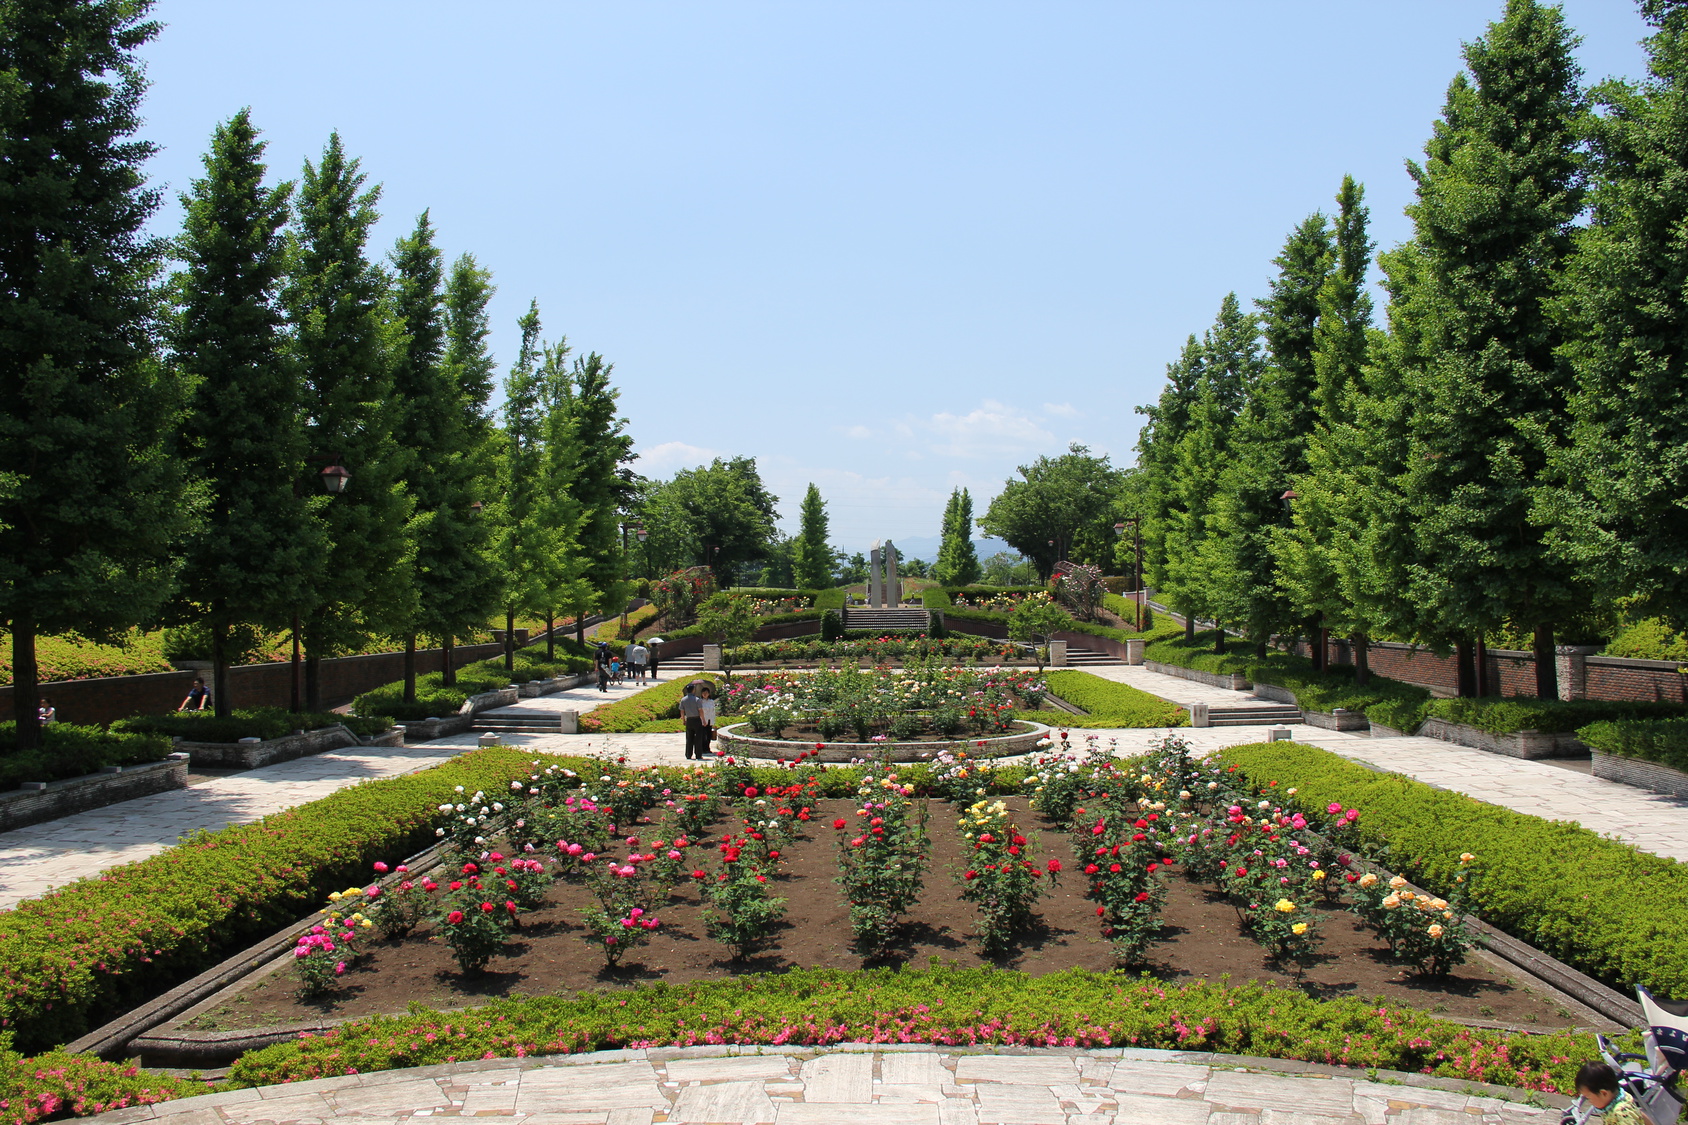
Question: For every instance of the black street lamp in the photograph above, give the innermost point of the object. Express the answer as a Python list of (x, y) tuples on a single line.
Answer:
[(334, 479)]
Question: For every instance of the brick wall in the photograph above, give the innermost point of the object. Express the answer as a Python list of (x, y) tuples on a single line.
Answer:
[(107, 698)]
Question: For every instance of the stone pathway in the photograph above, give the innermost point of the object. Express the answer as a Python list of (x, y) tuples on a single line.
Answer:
[(582, 699), (37, 858), (866, 1085)]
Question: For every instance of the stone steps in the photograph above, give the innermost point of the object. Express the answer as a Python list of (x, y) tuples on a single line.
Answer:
[(523, 724), (1266, 715), (887, 620)]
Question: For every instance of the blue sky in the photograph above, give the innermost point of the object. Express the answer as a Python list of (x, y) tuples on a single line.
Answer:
[(890, 248)]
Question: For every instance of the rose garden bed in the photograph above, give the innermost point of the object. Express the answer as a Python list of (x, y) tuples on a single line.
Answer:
[(1200, 937)]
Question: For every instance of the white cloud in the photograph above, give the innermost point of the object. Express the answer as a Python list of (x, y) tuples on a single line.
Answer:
[(671, 456), (858, 432), (1061, 409), (991, 429)]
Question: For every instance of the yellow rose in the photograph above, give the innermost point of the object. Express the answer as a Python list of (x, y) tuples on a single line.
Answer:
[(1368, 880), (1435, 930), (1298, 929), (365, 924), (334, 896), (1466, 857), (1390, 902), (1396, 883), (1406, 896), (1318, 875), (1284, 906)]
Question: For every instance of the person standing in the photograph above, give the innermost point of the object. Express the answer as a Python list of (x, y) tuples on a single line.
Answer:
[(199, 697), (691, 713), (641, 655), (706, 721), (654, 650), (46, 713), (603, 668)]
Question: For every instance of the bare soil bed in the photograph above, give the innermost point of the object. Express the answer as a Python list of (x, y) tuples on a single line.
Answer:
[(1201, 940)]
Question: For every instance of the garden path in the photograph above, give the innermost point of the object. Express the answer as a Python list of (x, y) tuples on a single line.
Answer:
[(582, 699), (39, 857), (903, 1084)]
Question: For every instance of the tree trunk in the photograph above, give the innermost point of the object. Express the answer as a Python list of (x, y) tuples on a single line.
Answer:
[(1219, 638), (1189, 626), (26, 683), (1323, 662), (410, 667), (313, 682), (448, 673), (1260, 650), (1481, 656), (1465, 671), (219, 665), (1361, 645), (580, 627), (509, 642), (1547, 665), (550, 639)]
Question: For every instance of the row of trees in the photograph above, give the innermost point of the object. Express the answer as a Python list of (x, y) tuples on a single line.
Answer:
[(1504, 455), (171, 409)]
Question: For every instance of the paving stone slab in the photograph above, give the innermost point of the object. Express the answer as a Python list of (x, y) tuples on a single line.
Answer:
[(913, 1068), (742, 1068), (734, 1103), (838, 1078), (1331, 1096), (1019, 1069)]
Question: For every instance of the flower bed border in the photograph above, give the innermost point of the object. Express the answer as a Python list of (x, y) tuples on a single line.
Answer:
[(253, 755), (996, 746)]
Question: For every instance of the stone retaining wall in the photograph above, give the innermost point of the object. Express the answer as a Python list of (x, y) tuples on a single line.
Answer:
[(1235, 681), (1639, 773), (1521, 744), (251, 755), (20, 807)]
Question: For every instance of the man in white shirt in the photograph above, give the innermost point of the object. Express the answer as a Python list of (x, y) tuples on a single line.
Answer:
[(691, 710), (641, 656)]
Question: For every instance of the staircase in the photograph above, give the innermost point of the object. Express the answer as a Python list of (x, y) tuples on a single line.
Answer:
[(887, 620), (1262, 715), (536, 723), (680, 665), (1089, 658)]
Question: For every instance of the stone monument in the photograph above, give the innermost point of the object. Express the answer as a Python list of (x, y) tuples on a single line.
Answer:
[(875, 591), (893, 585)]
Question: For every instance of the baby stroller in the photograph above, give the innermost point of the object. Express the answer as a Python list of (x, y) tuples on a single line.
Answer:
[(1653, 1087)]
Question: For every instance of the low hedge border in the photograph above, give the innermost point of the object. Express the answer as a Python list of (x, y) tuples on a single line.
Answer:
[(1506, 716), (1607, 908), (434, 699), (625, 716), (949, 1007), (1664, 741), (79, 954), (72, 751), (1105, 699), (252, 722)]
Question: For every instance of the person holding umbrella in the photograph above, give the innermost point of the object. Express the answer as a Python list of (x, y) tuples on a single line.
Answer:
[(652, 647)]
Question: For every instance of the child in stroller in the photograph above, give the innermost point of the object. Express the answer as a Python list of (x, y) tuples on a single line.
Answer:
[(1637, 1095)]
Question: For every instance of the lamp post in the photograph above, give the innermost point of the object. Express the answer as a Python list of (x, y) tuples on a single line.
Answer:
[(644, 539), (1136, 523), (334, 479)]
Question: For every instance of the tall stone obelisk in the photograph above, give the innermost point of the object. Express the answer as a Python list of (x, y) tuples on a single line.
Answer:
[(875, 585), (893, 584)]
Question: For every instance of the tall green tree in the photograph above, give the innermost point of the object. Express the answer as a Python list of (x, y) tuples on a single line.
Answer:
[(458, 574), (603, 480), (564, 570), (1619, 513), (811, 555), (446, 435), (346, 349), (92, 498), (721, 515), (521, 542), (1498, 195), (1151, 491), (958, 560), (253, 559), (1061, 508)]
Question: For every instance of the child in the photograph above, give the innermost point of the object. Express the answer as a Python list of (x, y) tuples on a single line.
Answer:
[(615, 670), (1597, 1084)]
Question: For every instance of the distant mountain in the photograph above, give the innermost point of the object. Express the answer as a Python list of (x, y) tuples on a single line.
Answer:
[(926, 547)]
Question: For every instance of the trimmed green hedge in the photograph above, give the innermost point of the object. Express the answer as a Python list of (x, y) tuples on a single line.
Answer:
[(939, 1006), (247, 722), (629, 714), (1123, 705), (1664, 741), (71, 751), (84, 952), (772, 619), (1505, 716), (1389, 702), (434, 699), (1611, 910)]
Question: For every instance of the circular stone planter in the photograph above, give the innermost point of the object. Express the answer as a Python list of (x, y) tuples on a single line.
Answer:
[(736, 739)]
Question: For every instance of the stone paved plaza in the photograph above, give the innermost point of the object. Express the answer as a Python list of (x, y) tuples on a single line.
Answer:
[(863, 1085)]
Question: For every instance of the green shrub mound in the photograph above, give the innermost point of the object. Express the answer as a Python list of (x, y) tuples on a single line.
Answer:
[(436, 700), (627, 715), (1663, 741), (1507, 716), (71, 751), (84, 952), (944, 1007), (1651, 638), (247, 722), (1611, 910), (1120, 704)]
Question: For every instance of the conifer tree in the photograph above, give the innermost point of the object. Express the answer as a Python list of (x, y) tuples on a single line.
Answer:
[(958, 560), (253, 559), (811, 556), (1498, 194), (92, 498), (1620, 513), (346, 351), (519, 547), (602, 481), (562, 575), (1157, 466)]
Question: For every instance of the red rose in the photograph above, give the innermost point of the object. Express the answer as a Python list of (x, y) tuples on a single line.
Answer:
[(1142, 896), (840, 822), (510, 906), (971, 875), (1054, 866), (697, 874), (470, 869), (1091, 869), (454, 917), (1114, 868), (1099, 912), (486, 908)]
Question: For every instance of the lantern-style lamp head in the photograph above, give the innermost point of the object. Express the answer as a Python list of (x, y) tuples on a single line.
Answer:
[(335, 478), (642, 534), (477, 507)]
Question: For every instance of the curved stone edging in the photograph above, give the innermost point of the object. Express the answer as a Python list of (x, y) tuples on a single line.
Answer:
[(919, 1083), (1001, 746)]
